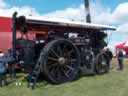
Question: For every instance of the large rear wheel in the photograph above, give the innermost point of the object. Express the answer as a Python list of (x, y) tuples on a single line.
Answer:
[(61, 61)]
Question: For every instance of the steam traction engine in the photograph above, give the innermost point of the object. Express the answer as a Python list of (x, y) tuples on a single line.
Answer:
[(61, 50)]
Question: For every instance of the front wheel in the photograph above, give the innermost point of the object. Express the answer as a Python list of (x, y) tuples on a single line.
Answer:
[(102, 63)]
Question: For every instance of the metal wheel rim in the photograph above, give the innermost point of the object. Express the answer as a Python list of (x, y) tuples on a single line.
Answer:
[(57, 72), (102, 64)]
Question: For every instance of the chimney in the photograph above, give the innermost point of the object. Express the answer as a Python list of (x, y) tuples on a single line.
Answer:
[(88, 17)]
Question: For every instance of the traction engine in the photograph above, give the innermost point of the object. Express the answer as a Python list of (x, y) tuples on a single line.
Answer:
[(61, 51)]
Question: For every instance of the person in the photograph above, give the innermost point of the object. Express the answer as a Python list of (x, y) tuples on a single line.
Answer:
[(2, 70), (120, 58), (11, 66), (109, 53)]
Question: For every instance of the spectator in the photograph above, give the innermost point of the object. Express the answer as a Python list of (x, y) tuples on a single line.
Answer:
[(2, 70), (109, 53), (120, 58), (11, 66), (110, 56)]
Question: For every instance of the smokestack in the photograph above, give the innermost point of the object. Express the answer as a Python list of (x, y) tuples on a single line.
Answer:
[(88, 17)]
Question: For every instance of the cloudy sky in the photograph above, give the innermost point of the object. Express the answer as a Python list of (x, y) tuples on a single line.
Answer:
[(110, 12)]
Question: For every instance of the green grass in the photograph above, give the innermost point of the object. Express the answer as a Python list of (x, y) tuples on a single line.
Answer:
[(113, 84)]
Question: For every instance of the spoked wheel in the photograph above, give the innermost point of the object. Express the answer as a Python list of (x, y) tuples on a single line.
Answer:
[(102, 63), (61, 62)]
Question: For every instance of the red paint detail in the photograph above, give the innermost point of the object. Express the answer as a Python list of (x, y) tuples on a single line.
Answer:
[(5, 41), (6, 33), (5, 24)]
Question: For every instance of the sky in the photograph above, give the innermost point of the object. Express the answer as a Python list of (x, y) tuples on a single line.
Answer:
[(109, 12)]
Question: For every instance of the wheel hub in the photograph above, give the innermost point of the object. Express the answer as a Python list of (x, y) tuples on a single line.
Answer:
[(103, 63), (87, 57), (61, 60)]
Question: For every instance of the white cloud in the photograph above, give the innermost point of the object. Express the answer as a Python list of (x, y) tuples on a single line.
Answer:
[(123, 28), (3, 4), (7, 10), (107, 16), (98, 14), (77, 14), (121, 13), (26, 10)]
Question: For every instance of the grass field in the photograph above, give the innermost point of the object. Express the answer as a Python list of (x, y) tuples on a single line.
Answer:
[(113, 84)]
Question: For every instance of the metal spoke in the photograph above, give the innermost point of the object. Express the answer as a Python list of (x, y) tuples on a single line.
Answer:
[(53, 59), (54, 53), (64, 51), (58, 74), (69, 67), (60, 51), (65, 73), (70, 52), (53, 71), (71, 61), (64, 47), (52, 65)]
